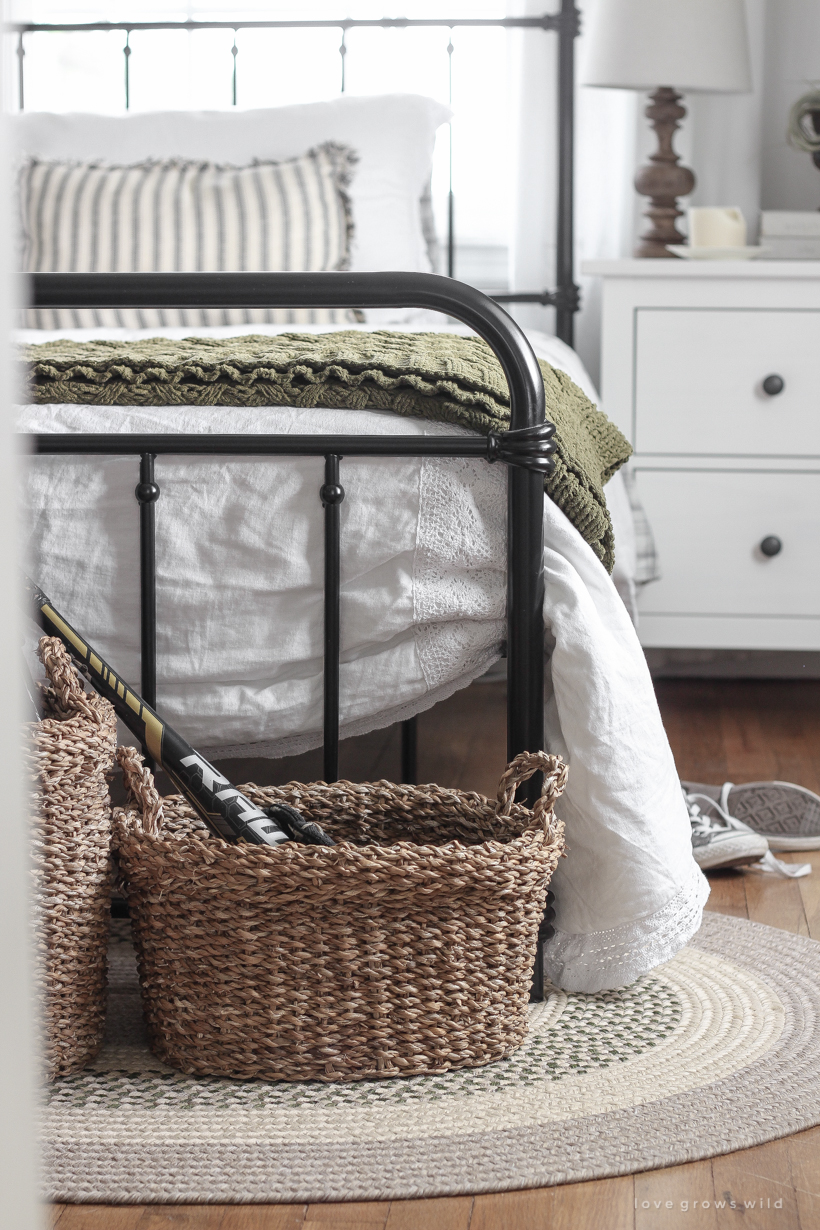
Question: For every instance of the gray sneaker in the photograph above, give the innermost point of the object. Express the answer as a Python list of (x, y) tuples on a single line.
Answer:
[(787, 816), (716, 843)]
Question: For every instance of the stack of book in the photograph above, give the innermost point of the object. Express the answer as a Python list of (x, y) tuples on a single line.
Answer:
[(790, 234)]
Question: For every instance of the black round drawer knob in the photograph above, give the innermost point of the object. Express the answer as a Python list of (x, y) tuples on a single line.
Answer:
[(771, 545), (774, 385)]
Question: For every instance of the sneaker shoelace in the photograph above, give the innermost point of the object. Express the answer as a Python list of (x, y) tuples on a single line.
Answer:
[(702, 825)]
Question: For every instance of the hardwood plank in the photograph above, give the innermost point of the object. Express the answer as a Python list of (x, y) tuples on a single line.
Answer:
[(487, 738), (331, 1223), (804, 1157), (797, 748), (52, 1214), (524, 1210), (810, 890), (692, 721), (675, 1197), (599, 1202), (263, 1217), (182, 1216), (776, 901), (748, 748), (755, 1180), (445, 1213), (101, 1216), (728, 893), (358, 1212), (446, 737), (385, 759)]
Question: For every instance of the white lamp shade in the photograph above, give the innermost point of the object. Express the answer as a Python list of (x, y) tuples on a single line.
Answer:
[(687, 44)]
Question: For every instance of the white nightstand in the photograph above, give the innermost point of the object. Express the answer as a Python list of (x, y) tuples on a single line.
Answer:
[(722, 465)]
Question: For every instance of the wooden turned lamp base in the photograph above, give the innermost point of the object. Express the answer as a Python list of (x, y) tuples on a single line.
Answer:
[(664, 181)]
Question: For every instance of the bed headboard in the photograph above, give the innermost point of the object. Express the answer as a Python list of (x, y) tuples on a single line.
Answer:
[(565, 298)]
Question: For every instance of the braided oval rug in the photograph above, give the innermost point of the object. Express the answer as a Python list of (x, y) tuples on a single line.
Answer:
[(717, 1050)]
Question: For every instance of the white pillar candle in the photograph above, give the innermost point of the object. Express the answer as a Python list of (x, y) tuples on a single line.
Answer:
[(715, 227)]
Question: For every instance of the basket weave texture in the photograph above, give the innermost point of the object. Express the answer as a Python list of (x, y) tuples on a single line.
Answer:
[(69, 759), (405, 949)]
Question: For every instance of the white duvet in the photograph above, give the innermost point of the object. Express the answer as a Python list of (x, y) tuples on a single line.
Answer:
[(239, 579)]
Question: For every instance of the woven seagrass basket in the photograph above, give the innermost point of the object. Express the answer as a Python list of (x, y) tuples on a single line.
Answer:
[(69, 760), (405, 949)]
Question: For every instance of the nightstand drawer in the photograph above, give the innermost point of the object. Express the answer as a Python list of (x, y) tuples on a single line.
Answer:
[(708, 527), (699, 377)]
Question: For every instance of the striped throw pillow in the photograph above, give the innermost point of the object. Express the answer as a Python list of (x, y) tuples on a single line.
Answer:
[(186, 216)]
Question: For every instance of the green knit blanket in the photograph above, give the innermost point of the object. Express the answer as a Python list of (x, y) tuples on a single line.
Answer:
[(437, 376)]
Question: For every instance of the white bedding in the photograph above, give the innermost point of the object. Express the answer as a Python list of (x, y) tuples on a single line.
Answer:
[(423, 567)]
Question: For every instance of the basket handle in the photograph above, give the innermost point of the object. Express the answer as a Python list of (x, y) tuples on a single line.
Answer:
[(63, 677), (139, 782), (521, 769)]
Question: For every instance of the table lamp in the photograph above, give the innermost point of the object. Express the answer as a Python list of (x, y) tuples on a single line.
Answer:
[(687, 45)]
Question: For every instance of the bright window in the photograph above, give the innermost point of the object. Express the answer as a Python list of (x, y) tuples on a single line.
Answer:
[(169, 70)]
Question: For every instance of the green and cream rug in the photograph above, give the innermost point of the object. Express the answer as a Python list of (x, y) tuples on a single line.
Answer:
[(717, 1050)]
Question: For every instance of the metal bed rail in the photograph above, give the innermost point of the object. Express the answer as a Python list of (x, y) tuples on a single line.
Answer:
[(566, 23)]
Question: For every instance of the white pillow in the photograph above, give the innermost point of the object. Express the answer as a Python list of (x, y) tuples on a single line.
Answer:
[(392, 134)]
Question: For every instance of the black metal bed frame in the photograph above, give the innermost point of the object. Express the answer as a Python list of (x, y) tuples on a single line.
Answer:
[(565, 23), (526, 449)]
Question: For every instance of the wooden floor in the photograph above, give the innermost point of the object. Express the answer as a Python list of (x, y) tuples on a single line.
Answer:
[(737, 731)]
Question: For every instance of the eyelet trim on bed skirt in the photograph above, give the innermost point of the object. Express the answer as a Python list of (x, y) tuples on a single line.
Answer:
[(604, 960), (459, 607)]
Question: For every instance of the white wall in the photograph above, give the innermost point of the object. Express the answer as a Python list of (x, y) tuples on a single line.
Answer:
[(724, 134), (789, 178)]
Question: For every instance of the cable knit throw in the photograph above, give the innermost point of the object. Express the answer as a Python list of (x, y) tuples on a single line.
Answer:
[(437, 376)]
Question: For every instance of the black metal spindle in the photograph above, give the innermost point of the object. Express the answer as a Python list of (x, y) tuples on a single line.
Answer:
[(21, 52), (409, 751), (451, 221), (126, 51), (343, 54), (567, 291), (332, 493), (147, 493)]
